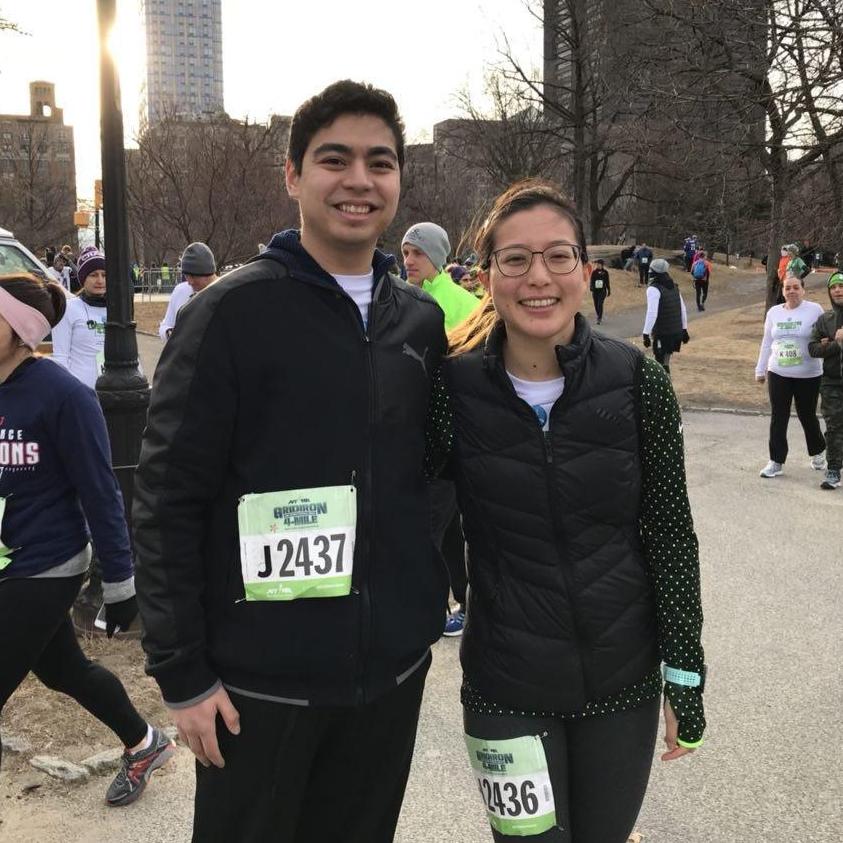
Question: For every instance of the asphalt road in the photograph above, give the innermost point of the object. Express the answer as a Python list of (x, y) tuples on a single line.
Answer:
[(769, 771)]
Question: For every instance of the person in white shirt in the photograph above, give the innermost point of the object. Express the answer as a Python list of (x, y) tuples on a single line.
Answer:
[(199, 269), (79, 338), (792, 375)]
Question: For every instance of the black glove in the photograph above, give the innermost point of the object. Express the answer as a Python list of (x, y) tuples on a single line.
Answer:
[(646, 340), (687, 705), (685, 337), (120, 614)]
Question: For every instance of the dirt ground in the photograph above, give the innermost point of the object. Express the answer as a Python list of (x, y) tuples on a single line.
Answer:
[(148, 315)]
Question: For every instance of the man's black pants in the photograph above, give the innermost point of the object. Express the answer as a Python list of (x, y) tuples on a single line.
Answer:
[(302, 774), (643, 272), (447, 535), (701, 290), (805, 393), (599, 297)]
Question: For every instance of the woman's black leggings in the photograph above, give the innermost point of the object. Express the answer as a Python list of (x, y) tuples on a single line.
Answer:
[(599, 768), (805, 393), (37, 635)]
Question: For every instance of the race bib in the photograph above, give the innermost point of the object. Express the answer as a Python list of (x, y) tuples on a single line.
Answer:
[(598, 284), (514, 783), (645, 261), (788, 353), (5, 552), (298, 543)]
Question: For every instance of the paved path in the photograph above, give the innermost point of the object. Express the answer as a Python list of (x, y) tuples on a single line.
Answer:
[(769, 771)]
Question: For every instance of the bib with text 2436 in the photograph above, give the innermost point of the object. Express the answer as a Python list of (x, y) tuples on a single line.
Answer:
[(298, 543), (515, 784)]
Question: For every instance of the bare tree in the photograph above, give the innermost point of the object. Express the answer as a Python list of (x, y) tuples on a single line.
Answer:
[(38, 197), (218, 181), (583, 105), (761, 77)]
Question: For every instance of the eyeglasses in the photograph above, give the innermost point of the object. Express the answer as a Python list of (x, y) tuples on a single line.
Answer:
[(560, 259)]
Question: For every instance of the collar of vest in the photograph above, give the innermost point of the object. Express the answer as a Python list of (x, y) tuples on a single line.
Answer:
[(569, 356)]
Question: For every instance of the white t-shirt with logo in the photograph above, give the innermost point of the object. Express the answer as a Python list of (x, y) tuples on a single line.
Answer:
[(359, 287), (79, 340), (540, 395), (784, 349)]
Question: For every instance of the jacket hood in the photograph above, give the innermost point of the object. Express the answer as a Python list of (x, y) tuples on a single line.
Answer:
[(286, 246), (837, 308)]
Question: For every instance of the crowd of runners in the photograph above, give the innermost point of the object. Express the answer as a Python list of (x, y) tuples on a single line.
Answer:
[(314, 422)]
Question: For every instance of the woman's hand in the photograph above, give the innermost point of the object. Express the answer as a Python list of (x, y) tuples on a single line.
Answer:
[(760, 378), (671, 730)]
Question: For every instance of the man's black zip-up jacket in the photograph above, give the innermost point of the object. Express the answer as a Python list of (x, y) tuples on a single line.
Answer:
[(269, 383)]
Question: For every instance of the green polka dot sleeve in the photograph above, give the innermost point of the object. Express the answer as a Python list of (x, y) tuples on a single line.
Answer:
[(439, 428), (670, 546)]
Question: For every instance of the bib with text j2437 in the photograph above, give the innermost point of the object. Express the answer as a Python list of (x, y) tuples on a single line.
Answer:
[(514, 783), (298, 543)]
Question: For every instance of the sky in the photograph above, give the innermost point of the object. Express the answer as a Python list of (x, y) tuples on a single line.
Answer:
[(272, 59)]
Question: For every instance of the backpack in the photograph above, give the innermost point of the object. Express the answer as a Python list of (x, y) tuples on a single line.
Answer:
[(698, 270)]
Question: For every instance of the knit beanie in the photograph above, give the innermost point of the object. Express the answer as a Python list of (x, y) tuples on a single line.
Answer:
[(90, 259), (836, 278), (431, 239), (198, 259), (660, 265)]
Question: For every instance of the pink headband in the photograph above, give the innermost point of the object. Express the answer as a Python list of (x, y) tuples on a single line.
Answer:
[(28, 323)]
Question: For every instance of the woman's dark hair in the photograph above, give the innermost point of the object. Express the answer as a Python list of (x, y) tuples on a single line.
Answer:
[(46, 297), (521, 196), (341, 98)]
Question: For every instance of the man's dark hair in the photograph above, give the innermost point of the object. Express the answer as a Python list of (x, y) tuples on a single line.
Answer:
[(345, 97)]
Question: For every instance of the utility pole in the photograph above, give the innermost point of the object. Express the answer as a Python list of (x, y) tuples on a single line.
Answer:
[(122, 389)]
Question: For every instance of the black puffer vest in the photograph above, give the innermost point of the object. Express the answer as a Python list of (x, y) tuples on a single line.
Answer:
[(669, 320), (561, 608)]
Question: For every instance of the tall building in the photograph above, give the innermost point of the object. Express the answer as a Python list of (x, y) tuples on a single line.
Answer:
[(38, 172), (183, 58)]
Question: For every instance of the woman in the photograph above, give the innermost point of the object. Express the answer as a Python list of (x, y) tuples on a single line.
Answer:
[(568, 458), (666, 321), (55, 471), (792, 375), (79, 339)]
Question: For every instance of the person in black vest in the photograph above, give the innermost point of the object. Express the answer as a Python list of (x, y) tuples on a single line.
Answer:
[(600, 289), (566, 448), (666, 322)]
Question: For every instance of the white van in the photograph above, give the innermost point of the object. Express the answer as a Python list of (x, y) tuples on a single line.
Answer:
[(16, 258)]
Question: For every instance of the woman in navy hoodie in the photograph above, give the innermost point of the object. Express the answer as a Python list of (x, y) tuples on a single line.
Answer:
[(55, 473)]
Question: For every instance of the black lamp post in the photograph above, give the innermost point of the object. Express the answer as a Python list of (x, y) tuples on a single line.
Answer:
[(122, 389)]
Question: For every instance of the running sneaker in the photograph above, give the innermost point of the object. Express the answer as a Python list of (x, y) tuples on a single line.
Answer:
[(136, 768), (772, 469), (818, 462), (455, 624), (832, 481)]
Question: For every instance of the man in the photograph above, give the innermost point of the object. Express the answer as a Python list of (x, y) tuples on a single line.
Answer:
[(199, 269), (666, 321), (425, 250), (643, 257), (600, 288), (701, 273), (283, 460)]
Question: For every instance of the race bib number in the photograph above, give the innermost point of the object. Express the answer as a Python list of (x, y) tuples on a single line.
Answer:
[(645, 261), (598, 284), (788, 353), (514, 782), (298, 543), (5, 552)]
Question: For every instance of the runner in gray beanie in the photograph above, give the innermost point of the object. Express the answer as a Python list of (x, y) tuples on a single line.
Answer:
[(198, 259), (432, 239)]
